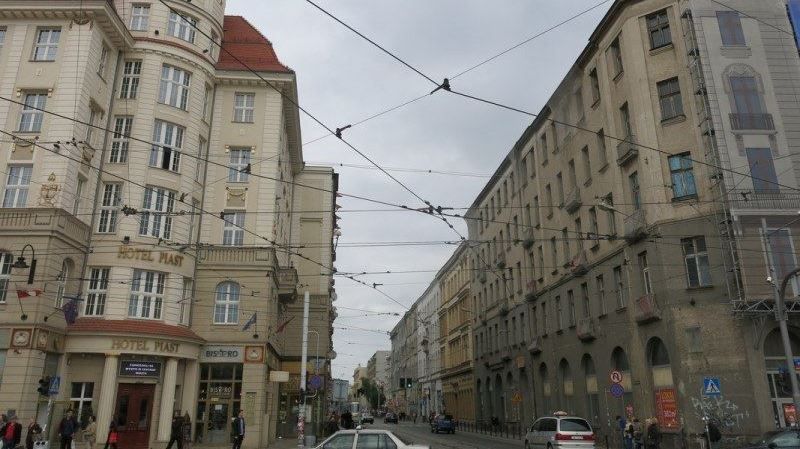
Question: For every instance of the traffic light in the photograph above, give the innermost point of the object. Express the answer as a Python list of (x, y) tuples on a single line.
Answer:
[(408, 385), (44, 386)]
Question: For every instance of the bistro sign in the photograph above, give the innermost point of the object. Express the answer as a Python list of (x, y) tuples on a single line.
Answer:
[(222, 354), (146, 255)]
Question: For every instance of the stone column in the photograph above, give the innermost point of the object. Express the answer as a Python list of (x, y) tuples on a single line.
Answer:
[(191, 380), (107, 396), (167, 399)]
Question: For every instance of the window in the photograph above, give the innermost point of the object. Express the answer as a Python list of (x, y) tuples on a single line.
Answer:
[(340, 442), (647, 286), (233, 230), (375, 441), (226, 303), (6, 259), (669, 97), (131, 72), (636, 196), (155, 216), (615, 53), (2, 37), (181, 26), (695, 254), (601, 147), (207, 103), (103, 65), (202, 151), (81, 399), (782, 255), (523, 170), (572, 174), (610, 215), (680, 169), (17, 184), (578, 96), (571, 305), (658, 29), (94, 114), (746, 97), (594, 230), (76, 201), (619, 285), (174, 90), (46, 44), (238, 166), (97, 291), (109, 208), (600, 285), (544, 147), (730, 28), (243, 107), (554, 252), (147, 294), (594, 82), (625, 121), (30, 121), (565, 245), (140, 17), (120, 140), (762, 169), (560, 186), (168, 140), (532, 214), (61, 283), (587, 163)]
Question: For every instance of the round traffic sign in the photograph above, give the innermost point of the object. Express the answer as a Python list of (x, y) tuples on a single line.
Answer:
[(316, 382), (616, 377), (617, 390)]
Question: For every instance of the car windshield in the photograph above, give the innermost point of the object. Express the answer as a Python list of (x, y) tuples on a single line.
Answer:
[(764, 439), (575, 425)]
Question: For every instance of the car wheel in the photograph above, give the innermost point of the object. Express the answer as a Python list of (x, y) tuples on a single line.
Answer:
[(527, 445)]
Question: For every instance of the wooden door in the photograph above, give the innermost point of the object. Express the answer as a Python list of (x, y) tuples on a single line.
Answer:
[(133, 410)]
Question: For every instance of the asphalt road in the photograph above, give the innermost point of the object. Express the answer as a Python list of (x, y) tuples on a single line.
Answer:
[(421, 434)]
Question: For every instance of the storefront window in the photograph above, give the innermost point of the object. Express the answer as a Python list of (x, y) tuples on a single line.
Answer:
[(219, 401)]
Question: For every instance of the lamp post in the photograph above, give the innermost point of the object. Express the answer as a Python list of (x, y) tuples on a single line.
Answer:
[(21, 264)]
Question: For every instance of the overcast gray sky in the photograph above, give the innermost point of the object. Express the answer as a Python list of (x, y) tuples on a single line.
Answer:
[(343, 79)]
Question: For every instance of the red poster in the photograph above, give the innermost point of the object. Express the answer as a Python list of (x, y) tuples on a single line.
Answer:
[(667, 409), (789, 415)]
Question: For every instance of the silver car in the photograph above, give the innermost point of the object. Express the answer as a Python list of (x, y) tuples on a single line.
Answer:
[(366, 439), (560, 432)]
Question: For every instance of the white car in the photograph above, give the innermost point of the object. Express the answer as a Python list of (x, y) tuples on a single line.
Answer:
[(560, 432), (367, 439)]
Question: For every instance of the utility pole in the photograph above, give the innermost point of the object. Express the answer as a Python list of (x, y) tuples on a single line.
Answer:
[(301, 418), (781, 316)]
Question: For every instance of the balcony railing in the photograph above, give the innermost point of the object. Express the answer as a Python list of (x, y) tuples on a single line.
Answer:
[(647, 309), (579, 264), (536, 345), (766, 199), (761, 121), (627, 150), (528, 238), (53, 220), (585, 329), (636, 225), (573, 200)]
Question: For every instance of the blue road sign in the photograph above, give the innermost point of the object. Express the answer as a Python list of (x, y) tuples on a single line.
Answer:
[(617, 390), (712, 386), (316, 382), (55, 384)]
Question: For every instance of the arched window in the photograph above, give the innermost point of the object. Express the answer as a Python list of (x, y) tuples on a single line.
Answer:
[(592, 395), (6, 259), (63, 278), (226, 304), (567, 388), (544, 381), (619, 362)]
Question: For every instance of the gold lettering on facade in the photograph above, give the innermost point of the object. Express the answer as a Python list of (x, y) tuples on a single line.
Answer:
[(135, 344), (146, 255)]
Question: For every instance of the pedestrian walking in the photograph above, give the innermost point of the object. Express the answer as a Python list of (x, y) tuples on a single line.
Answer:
[(90, 433), (113, 436), (653, 438), (34, 433), (11, 432), (67, 429), (627, 436), (187, 431), (238, 430), (331, 427), (176, 431), (638, 434)]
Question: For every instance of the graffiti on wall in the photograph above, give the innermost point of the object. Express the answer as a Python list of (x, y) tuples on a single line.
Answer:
[(723, 411)]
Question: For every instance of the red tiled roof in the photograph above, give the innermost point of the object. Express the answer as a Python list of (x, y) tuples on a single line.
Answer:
[(132, 327), (247, 44)]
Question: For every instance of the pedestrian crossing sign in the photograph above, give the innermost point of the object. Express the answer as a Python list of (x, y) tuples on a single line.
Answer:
[(712, 386)]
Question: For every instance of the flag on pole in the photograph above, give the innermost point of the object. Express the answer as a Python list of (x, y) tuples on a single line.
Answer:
[(250, 322), (26, 293), (70, 309), (283, 326)]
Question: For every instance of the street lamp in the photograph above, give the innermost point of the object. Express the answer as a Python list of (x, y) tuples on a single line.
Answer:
[(21, 264)]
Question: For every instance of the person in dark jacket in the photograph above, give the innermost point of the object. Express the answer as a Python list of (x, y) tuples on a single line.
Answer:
[(653, 438), (237, 429), (11, 433), (66, 430), (34, 430), (176, 432)]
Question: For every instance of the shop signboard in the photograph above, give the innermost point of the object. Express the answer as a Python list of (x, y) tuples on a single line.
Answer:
[(140, 368), (222, 354), (667, 409)]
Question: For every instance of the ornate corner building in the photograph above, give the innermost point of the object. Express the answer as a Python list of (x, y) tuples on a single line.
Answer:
[(153, 191)]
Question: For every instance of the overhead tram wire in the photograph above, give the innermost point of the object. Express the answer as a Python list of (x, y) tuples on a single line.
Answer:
[(469, 69)]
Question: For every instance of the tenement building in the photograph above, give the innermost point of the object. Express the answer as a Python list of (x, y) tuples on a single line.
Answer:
[(630, 240), (153, 192)]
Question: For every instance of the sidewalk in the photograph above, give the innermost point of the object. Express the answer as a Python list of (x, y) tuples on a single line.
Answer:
[(286, 443)]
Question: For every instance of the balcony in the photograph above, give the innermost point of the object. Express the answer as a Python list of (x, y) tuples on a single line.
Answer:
[(585, 329), (530, 291), (573, 200), (646, 309), (500, 261), (627, 150), (35, 221), (761, 121), (780, 199), (579, 265), (536, 345), (636, 225), (230, 256), (287, 284), (528, 238)]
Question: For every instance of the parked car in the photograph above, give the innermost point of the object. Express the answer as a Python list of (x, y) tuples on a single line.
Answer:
[(443, 423), (367, 417), (560, 432), (391, 417), (366, 439), (777, 439)]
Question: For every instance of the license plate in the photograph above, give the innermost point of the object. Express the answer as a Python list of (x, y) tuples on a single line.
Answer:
[(577, 437)]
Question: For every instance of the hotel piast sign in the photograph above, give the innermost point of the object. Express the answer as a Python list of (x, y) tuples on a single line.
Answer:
[(140, 345), (146, 255)]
